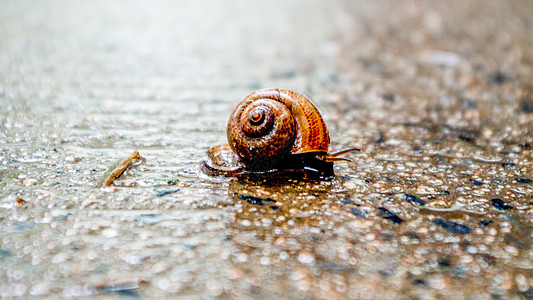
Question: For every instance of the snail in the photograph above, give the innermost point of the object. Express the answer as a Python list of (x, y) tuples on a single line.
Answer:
[(275, 129)]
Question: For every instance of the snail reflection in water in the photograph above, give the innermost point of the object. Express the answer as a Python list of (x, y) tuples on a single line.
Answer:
[(275, 130)]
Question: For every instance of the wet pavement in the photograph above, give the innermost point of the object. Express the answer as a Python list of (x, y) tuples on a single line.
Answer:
[(438, 205)]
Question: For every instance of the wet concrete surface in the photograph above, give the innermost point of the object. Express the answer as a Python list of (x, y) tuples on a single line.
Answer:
[(437, 206)]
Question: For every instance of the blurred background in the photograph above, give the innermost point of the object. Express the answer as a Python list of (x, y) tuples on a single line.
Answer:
[(438, 95)]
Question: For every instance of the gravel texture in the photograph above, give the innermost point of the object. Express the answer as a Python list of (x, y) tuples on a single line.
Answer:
[(438, 205)]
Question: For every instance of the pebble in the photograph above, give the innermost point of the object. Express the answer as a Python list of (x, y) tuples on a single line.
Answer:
[(357, 212), (255, 200), (523, 180), (485, 223), (346, 201), (499, 204), (306, 258), (390, 216), (163, 192), (452, 227), (29, 182), (476, 182), (414, 199)]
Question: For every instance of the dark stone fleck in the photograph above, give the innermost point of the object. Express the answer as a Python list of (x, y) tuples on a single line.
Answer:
[(485, 223), (149, 218), (509, 152), (63, 217), (337, 268), (23, 226), (508, 165), (528, 294), (373, 65), (476, 182), (387, 238), (359, 213), (161, 192), (443, 192), (150, 215), (452, 227), (523, 180), (499, 78), (525, 146), (420, 282), (386, 273), (468, 104), (380, 139), (498, 180), (390, 216), (347, 201), (5, 253), (414, 199), (189, 246), (128, 290), (511, 240), (526, 106), (499, 204), (459, 271), (255, 200), (466, 138), (444, 263), (441, 159), (275, 207), (388, 97)]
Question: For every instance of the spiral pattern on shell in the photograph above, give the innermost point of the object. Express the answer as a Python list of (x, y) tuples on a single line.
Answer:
[(270, 124)]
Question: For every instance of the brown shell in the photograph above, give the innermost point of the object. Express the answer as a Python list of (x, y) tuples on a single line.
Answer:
[(295, 127)]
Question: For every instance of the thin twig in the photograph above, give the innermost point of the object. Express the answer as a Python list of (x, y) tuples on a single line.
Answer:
[(121, 167)]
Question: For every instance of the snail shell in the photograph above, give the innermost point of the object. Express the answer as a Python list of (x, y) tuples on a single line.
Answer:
[(271, 124)]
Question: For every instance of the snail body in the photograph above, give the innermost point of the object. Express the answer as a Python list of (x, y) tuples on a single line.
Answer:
[(274, 129)]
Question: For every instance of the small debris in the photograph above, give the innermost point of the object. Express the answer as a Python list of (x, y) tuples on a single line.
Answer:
[(29, 182), (419, 282), (528, 294), (452, 227), (5, 253), (359, 213), (149, 218), (337, 268), (256, 200), (122, 166), (388, 97), (508, 165), (499, 204), (414, 199), (443, 192), (476, 182), (20, 202), (390, 216), (485, 223), (525, 146), (380, 138), (466, 138), (523, 180), (526, 106), (387, 272), (499, 78), (163, 192), (128, 289), (347, 201), (512, 240)]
